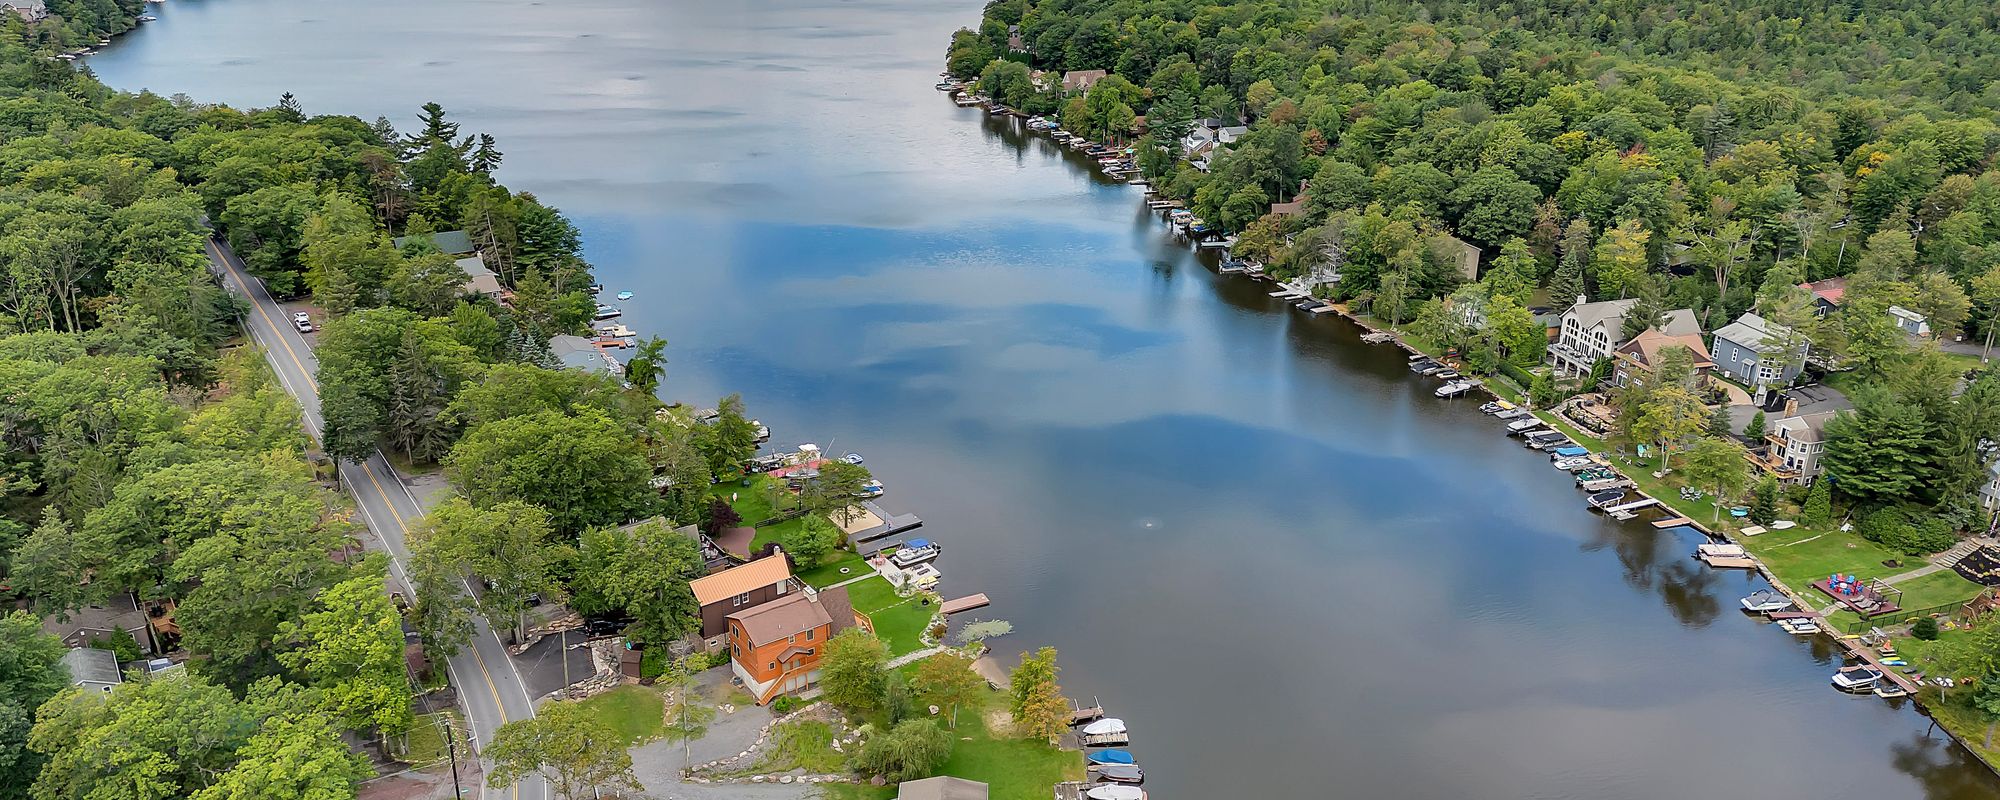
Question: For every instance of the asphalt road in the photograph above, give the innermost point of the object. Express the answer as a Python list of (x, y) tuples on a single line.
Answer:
[(489, 687)]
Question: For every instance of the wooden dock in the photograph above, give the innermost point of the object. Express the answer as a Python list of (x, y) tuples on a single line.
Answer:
[(1072, 790), (966, 603), (1671, 522), (1635, 505)]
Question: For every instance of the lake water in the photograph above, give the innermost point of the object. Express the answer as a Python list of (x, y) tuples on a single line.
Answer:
[(1263, 544)]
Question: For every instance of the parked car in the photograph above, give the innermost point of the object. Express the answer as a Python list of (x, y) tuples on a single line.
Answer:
[(302, 321)]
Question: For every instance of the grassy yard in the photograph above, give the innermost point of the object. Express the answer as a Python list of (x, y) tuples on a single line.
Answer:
[(1012, 769), (829, 572), (899, 621), (1802, 555), (755, 502), (1936, 589), (633, 711)]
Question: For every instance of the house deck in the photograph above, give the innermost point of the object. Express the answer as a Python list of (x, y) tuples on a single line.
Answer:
[(1882, 607)]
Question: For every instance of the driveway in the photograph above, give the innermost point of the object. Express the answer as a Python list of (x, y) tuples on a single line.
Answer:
[(543, 665), (658, 764)]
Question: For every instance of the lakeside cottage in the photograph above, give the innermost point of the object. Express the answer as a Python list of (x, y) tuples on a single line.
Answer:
[(576, 352), (739, 588), (1637, 359), (1588, 332), (480, 280), (1745, 351), (1827, 294), (1081, 80), (1792, 448), (777, 647), (121, 612)]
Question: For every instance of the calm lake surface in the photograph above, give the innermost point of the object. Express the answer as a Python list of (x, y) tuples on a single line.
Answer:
[(1263, 544)]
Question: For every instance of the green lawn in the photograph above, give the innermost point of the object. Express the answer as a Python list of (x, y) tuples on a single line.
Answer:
[(829, 573), (1802, 555), (754, 502), (1012, 769), (899, 621), (633, 711), (1936, 589)]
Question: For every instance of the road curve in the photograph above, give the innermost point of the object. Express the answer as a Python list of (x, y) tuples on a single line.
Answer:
[(490, 689)]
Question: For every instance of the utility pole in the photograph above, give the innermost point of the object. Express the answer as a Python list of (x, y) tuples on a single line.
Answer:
[(451, 746)]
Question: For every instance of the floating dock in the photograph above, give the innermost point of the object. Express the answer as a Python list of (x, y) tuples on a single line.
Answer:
[(1671, 522), (962, 604)]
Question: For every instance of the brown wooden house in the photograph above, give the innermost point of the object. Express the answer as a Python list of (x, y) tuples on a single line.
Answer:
[(737, 589)]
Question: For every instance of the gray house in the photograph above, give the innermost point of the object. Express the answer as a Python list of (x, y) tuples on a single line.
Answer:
[(93, 669), (1745, 351)]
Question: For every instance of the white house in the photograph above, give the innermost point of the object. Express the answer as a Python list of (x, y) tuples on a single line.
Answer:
[(1989, 494), (1794, 445), (1910, 322), (29, 10), (1589, 331)]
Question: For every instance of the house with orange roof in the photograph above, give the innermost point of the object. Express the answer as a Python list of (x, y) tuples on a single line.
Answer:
[(740, 588), (776, 647)]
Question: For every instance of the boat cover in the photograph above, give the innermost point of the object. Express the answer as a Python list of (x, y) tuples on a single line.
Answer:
[(1572, 452), (1112, 757), (1104, 726), (1120, 772), (918, 544), (1116, 792)]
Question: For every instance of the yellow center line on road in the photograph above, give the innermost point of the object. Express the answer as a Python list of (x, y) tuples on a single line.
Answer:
[(491, 687)]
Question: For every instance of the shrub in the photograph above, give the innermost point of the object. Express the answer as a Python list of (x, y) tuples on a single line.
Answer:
[(786, 704), (1925, 628), (1932, 535), (913, 749)]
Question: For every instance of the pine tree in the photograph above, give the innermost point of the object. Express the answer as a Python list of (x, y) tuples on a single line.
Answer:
[(1764, 505), (1718, 423), (1819, 504), (416, 405), (486, 156), (1755, 430), (289, 106)]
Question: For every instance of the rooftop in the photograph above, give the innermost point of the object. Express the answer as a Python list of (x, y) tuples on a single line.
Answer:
[(1832, 290), (1082, 79), (477, 277), (577, 352), (740, 580), (1650, 343), (456, 243), (93, 665), (1590, 315), (942, 787), (1751, 331), (1805, 427), (779, 619)]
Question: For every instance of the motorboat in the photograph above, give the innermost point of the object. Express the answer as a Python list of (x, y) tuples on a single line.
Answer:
[(1607, 499), (1522, 426), (1115, 791), (1490, 408), (1859, 677), (624, 295), (1604, 484), (1799, 627), (917, 551), (1765, 601), (852, 458), (1117, 757), (1573, 451), (871, 489), (1511, 413), (1425, 366), (1546, 440), (1446, 374), (1119, 773), (1889, 689), (1574, 463), (607, 312), (1104, 727), (1454, 388)]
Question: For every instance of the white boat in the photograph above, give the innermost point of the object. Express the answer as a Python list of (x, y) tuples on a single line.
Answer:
[(1115, 791), (1856, 678), (1104, 727), (607, 312), (1765, 601), (1576, 463), (1890, 689), (918, 551), (624, 295), (1523, 425), (871, 489), (1454, 389), (1800, 627), (1510, 413)]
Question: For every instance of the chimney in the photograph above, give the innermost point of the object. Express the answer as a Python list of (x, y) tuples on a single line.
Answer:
[(1580, 299)]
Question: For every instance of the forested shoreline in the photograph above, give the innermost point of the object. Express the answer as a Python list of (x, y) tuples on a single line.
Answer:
[(152, 459)]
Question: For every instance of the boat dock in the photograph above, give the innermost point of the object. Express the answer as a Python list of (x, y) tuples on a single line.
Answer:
[(1072, 790), (1118, 739), (1671, 522), (1079, 715), (962, 604), (1725, 556), (893, 524), (1635, 505)]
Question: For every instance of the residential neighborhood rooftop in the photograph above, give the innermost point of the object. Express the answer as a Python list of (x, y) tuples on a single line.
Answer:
[(778, 619), (1751, 331), (740, 580)]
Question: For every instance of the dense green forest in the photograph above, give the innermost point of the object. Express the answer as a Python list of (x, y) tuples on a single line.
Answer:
[(1711, 157), (150, 454)]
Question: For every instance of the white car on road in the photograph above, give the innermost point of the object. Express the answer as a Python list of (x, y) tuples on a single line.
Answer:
[(302, 321)]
